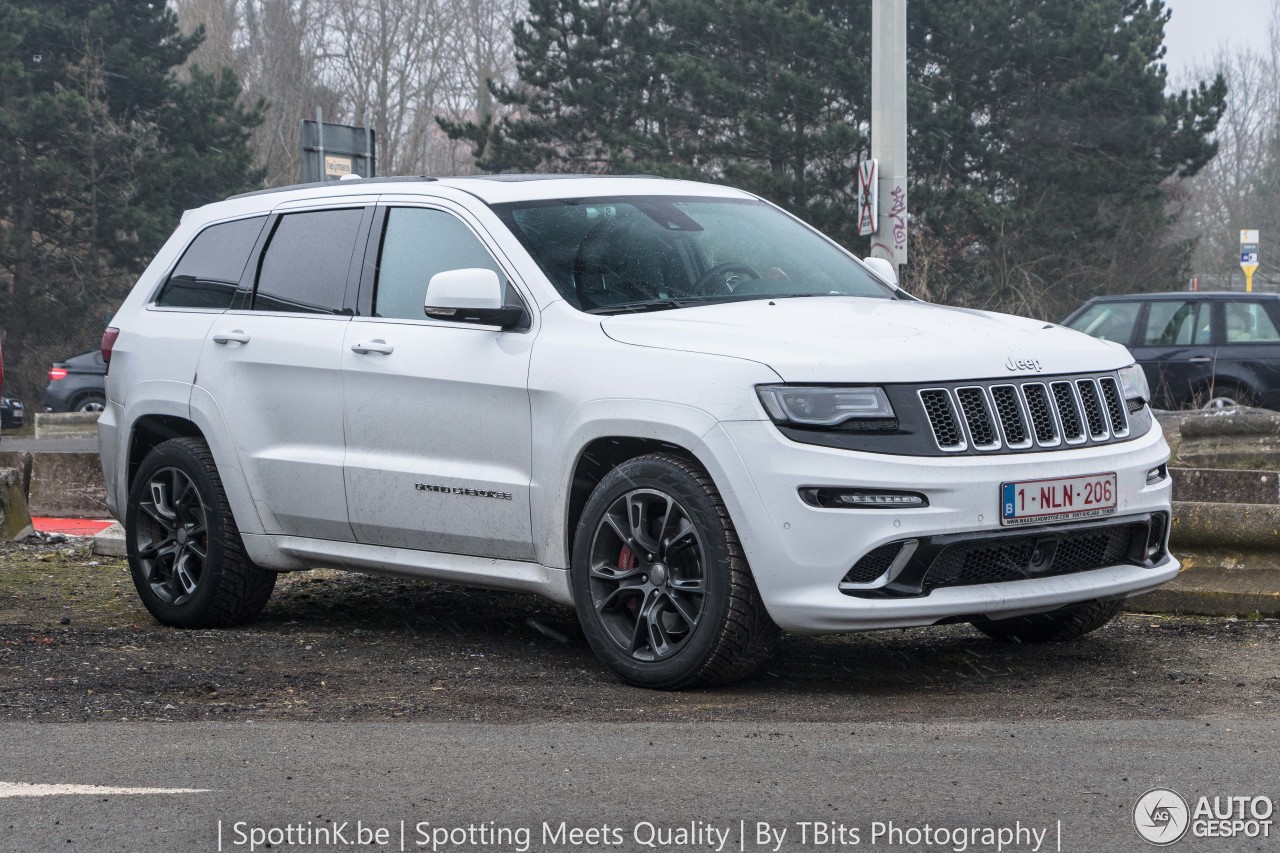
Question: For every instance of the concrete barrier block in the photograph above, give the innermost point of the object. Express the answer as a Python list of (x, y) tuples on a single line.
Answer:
[(1215, 591), (1248, 526), (1230, 451), (68, 485), (66, 424), (1225, 485), (21, 461), (15, 520), (110, 542), (1253, 422)]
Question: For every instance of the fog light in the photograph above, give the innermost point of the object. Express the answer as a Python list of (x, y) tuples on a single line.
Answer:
[(1157, 474), (832, 497)]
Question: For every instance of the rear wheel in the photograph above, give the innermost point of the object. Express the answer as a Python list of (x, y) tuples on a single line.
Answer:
[(1061, 625), (185, 554), (91, 403), (660, 583), (1225, 395)]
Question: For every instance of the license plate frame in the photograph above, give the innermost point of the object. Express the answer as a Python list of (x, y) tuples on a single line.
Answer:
[(1065, 496)]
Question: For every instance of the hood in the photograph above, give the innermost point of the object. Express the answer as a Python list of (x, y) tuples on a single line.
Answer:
[(850, 339)]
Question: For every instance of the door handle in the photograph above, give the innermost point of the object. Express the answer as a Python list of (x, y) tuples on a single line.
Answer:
[(377, 345), (1200, 359), (233, 337)]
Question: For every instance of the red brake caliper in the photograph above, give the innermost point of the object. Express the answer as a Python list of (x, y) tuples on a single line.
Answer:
[(627, 560)]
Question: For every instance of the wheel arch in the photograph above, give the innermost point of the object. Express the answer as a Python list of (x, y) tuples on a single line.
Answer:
[(149, 429), (597, 459), (596, 439), (148, 432), (1228, 379)]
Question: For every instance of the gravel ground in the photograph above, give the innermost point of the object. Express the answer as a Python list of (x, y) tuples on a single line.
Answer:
[(76, 644)]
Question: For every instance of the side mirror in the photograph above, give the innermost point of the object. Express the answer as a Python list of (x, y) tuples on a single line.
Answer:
[(883, 268), (470, 296)]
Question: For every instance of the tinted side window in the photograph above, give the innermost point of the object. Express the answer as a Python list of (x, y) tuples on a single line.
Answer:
[(1248, 323), (417, 244), (1172, 323), (210, 269), (306, 263), (1110, 321)]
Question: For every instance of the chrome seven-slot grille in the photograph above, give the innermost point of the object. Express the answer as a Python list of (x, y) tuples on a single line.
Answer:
[(1031, 414)]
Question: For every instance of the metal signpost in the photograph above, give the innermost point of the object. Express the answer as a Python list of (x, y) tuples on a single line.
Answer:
[(889, 127), (330, 152), (1249, 256)]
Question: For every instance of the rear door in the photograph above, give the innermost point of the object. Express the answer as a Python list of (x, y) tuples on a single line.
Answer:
[(437, 412), (199, 288), (1250, 352), (273, 368), (1174, 344)]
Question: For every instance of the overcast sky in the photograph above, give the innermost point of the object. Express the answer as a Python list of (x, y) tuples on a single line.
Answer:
[(1198, 27)]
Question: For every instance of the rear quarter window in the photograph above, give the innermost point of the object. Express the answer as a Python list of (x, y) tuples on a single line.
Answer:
[(210, 269), (1249, 323)]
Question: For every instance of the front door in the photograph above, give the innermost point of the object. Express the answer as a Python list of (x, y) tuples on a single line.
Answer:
[(436, 413), (1249, 358), (1174, 345)]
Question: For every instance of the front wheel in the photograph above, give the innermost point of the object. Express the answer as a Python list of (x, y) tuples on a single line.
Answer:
[(660, 583), (185, 554), (1061, 625)]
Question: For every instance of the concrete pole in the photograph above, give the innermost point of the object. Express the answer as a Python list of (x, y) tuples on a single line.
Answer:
[(889, 126)]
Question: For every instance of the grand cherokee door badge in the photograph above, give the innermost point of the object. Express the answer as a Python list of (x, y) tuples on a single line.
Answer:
[(463, 491)]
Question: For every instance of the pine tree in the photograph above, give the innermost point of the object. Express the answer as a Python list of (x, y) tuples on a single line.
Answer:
[(101, 148), (757, 93), (1043, 145)]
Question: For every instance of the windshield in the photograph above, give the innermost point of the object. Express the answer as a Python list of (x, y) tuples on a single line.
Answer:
[(644, 253)]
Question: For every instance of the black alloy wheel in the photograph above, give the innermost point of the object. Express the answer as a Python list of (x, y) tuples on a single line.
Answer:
[(648, 580), (185, 553), (172, 536), (662, 589)]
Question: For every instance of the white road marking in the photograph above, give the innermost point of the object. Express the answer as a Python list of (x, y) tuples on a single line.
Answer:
[(24, 789)]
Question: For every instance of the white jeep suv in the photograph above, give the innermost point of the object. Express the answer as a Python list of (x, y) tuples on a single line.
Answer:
[(669, 404)]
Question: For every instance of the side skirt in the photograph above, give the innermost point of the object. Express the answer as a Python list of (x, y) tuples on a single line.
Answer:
[(293, 553)]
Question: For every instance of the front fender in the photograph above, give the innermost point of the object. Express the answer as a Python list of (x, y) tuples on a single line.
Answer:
[(556, 461)]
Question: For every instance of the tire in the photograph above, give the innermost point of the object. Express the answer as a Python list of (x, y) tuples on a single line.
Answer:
[(1060, 626), (660, 583), (91, 403), (185, 554)]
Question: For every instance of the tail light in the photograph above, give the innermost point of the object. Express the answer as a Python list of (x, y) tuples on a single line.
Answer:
[(56, 373), (109, 342)]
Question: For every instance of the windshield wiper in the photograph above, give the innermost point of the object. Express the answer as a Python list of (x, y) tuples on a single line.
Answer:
[(638, 307)]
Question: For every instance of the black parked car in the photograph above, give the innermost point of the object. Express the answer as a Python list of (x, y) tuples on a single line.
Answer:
[(1198, 349), (12, 413), (77, 384)]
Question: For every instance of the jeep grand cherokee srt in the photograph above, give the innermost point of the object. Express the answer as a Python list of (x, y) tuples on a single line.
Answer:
[(669, 404)]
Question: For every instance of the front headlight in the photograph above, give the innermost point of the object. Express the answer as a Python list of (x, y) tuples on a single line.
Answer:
[(1133, 383), (824, 406)]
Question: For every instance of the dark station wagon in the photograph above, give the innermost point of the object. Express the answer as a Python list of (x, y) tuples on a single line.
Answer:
[(1198, 349)]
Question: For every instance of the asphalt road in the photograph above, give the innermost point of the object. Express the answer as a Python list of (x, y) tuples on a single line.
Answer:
[(375, 700), (1088, 775)]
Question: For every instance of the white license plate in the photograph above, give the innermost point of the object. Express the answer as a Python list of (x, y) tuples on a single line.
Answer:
[(1041, 501)]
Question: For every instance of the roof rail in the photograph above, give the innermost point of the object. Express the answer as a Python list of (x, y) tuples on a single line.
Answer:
[(390, 179)]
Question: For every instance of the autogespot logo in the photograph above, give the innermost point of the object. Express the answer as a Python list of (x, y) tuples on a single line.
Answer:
[(1161, 816)]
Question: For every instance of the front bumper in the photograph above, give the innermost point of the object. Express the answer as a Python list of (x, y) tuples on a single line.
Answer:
[(800, 553)]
